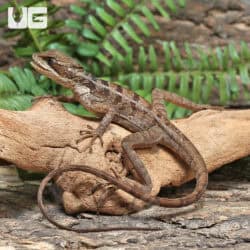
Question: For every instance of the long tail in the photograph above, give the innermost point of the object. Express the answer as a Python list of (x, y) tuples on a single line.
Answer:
[(124, 186)]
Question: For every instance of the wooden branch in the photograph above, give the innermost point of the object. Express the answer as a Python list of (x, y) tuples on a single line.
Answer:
[(45, 136)]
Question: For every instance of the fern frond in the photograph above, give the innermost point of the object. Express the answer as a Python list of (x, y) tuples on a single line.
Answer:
[(17, 88), (224, 72), (108, 31)]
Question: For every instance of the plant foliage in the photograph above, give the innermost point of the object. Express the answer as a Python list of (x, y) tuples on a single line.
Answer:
[(224, 71), (107, 37), (18, 87), (109, 30)]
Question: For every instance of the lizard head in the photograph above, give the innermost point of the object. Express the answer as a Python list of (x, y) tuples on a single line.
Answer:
[(56, 66)]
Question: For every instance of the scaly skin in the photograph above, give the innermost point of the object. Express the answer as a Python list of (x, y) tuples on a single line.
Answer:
[(148, 122)]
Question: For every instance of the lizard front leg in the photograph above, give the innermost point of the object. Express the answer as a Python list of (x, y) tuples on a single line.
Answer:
[(99, 131)]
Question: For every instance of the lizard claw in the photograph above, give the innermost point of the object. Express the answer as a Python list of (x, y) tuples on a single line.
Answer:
[(90, 133)]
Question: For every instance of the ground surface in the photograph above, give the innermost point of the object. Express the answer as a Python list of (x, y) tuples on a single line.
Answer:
[(222, 220)]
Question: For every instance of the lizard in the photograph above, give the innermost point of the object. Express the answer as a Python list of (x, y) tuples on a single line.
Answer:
[(148, 123)]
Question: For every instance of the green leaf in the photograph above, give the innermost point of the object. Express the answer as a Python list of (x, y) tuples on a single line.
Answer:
[(73, 38), (101, 57), (148, 14), (204, 61), (245, 52), (97, 26), (167, 64), (233, 53), (182, 3), (130, 31), (244, 74), (121, 40), (180, 112), (6, 85), (113, 5), (88, 49), (232, 81), (142, 59), (184, 85), (77, 10), (172, 83), (128, 62), (160, 81), (26, 51), (141, 25), (106, 17), (170, 110), (147, 83), (141, 92), (112, 50), (224, 95), (35, 88), (158, 6), (171, 5), (177, 57), (73, 24), (77, 110), (89, 34), (152, 59), (220, 57), (207, 87), (59, 46), (196, 90), (135, 82), (22, 81), (129, 3), (46, 40), (16, 102), (190, 58)]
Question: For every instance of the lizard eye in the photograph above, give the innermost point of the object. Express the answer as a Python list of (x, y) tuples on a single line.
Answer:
[(51, 61)]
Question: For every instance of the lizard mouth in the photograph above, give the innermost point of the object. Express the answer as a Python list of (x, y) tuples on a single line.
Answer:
[(45, 65), (41, 65)]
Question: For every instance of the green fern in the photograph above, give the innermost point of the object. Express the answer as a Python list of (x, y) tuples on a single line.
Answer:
[(108, 32), (18, 87), (102, 37), (194, 77)]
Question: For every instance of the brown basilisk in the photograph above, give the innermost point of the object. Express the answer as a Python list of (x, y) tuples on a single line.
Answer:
[(148, 122)]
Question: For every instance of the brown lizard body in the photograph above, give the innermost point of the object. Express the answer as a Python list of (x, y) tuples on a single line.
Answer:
[(149, 123)]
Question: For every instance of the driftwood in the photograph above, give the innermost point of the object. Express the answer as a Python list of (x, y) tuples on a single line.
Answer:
[(44, 138)]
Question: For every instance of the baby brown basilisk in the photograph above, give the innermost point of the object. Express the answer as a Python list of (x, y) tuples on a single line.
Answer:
[(148, 122)]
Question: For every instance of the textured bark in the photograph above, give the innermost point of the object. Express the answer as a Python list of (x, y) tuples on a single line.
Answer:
[(222, 221), (45, 136)]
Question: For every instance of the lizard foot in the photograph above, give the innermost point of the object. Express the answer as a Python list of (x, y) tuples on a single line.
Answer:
[(90, 133)]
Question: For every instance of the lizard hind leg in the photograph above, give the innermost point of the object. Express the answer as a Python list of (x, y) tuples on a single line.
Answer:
[(184, 148), (160, 95), (139, 140)]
